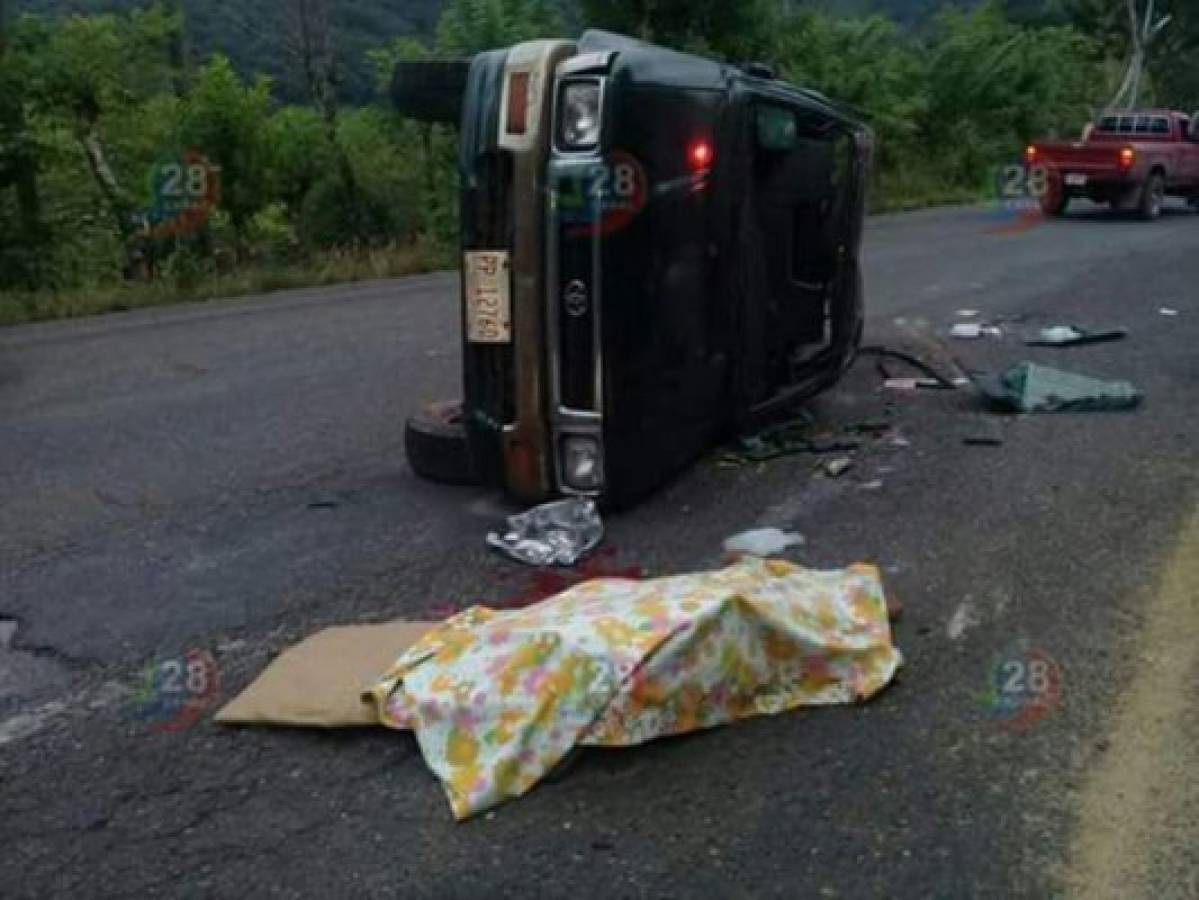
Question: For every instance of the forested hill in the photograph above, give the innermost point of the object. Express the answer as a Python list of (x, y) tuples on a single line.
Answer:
[(250, 31)]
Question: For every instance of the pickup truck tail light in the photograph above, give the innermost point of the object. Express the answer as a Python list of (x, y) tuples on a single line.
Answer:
[(1128, 158), (1030, 154)]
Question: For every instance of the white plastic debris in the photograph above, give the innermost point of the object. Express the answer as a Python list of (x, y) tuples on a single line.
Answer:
[(1060, 334), (763, 542), (553, 534), (967, 313), (1167, 311), (835, 468), (972, 331)]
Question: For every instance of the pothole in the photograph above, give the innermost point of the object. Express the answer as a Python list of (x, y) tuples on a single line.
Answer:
[(25, 676)]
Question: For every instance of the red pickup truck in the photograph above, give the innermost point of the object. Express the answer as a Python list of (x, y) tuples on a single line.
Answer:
[(1130, 159)]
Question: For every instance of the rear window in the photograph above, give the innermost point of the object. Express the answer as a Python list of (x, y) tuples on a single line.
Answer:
[(1134, 125)]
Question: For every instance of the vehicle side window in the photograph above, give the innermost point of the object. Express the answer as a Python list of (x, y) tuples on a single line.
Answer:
[(1110, 124), (778, 128), (1161, 126)]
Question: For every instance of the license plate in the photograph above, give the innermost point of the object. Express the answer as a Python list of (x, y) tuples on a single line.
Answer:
[(1076, 180), (488, 297)]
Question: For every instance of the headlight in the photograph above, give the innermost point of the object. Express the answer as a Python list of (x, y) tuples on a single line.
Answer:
[(582, 466), (579, 115)]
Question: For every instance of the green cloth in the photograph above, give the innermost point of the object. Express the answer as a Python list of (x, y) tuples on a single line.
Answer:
[(1028, 387)]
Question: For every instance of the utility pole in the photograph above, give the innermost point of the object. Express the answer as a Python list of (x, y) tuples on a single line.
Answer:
[(1144, 30)]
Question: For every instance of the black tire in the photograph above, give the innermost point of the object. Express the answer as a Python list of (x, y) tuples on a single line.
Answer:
[(1055, 200), (435, 441), (430, 90), (1153, 197)]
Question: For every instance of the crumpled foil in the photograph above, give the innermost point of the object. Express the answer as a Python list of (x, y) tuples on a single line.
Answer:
[(553, 534)]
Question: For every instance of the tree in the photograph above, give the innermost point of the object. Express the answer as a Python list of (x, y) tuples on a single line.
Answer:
[(224, 119), (472, 26), (1144, 28), (23, 230), (1168, 59), (735, 30)]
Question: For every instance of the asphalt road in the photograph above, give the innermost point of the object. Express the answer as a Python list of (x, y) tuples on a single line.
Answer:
[(229, 477)]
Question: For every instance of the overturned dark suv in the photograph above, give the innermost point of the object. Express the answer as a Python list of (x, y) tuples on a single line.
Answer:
[(657, 250)]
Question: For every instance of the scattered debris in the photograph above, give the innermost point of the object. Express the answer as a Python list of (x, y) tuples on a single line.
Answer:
[(872, 427), (763, 542), (1167, 311), (885, 353), (876, 485), (912, 384), (1070, 336), (1028, 387), (967, 313), (971, 331), (835, 468), (983, 432), (553, 534), (964, 618), (8, 631), (788, 439)]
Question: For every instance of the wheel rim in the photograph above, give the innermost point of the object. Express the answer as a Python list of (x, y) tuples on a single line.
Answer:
[(1159, 198)]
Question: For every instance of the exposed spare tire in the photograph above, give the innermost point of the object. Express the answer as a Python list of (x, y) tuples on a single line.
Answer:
[(430, 90), (435, 441)]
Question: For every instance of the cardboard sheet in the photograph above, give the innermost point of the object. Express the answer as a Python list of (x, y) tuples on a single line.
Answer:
[(318, 683)]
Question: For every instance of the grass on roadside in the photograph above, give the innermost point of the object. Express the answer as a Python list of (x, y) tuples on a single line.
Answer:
[(334, 267), (893, 194)]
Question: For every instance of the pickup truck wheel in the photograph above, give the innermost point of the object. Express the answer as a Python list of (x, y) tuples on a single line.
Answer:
[(1153, 199), (435, 441), (1055, 200)]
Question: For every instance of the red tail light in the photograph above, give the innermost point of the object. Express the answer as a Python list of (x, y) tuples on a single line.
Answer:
[(1128, 158), (518, 103), (1030, 154), (700, 155)]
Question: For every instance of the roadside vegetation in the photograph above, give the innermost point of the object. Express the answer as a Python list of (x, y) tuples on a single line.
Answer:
[(107, 120)]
